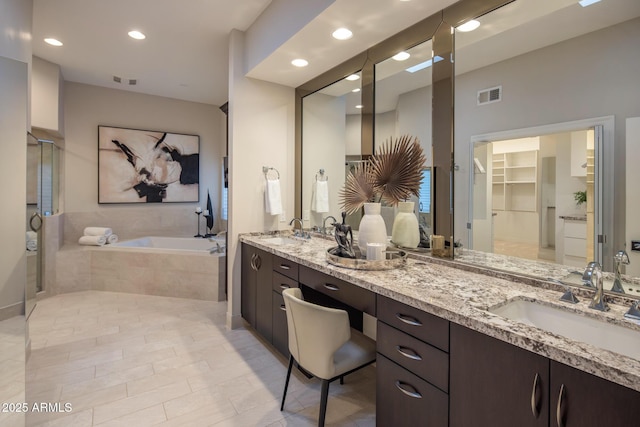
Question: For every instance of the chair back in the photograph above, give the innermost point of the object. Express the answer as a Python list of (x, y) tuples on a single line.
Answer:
[(315, 333)]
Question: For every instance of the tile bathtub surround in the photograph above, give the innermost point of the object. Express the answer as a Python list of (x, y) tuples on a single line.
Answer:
[(464, 297), (123, 359)]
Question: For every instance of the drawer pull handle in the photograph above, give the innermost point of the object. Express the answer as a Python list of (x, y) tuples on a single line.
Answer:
[(409, 320), (331, 287), (559, 407), (403, 388), (283, 286), (285, 267), (534, 402), (258, 262), (408, 353), (282, 307)]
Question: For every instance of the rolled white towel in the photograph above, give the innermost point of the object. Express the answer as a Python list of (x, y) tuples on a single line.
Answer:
[(32, 235), (98, 231), (113, 238), (32, 245), (92, 240)]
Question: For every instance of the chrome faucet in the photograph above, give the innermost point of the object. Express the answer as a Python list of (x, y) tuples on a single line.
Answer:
[(323, 230), (598, 302), (297, 233), (620, 258)]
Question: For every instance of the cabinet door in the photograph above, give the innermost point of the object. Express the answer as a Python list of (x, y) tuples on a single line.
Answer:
[(280, 328), (248, 285), (403, 399), (581, 399), (493, 383), (264, 273)]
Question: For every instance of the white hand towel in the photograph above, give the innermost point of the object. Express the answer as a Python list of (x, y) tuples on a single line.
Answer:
[(32, 245), (321, 199), (32, 235), (97, 231), (113, 238), (92, 240), (272, 198)]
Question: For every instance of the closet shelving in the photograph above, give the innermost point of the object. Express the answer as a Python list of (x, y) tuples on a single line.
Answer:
[(514, 180)]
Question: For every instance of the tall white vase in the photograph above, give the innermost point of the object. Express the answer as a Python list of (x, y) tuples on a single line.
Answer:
[(405, 231), (372, 228)]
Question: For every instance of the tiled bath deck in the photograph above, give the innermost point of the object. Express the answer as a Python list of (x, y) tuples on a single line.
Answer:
[(138, 360)]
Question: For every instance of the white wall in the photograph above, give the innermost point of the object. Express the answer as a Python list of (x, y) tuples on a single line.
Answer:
[(15, 60), (556, 84), (261, 133), (414, 118), (88, 106), (633, 201), (47, 102)]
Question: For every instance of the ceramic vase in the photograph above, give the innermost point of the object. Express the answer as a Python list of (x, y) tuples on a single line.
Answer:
[(405, 231), (372, 228)]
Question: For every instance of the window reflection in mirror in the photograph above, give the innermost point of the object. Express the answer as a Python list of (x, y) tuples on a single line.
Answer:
[(331, 143), (403, 107), (515, 81)]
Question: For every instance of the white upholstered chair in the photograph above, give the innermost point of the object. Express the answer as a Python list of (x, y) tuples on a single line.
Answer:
[(322, 343)]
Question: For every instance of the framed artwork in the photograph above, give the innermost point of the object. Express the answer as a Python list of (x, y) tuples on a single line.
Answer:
[(145, 166)]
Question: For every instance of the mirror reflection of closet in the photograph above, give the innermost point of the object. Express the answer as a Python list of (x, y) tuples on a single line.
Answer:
[(403, 107), (331, 142)]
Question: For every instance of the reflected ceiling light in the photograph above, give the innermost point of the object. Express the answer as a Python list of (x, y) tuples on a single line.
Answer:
[(585, 3), (53, 42), (468, 26), (356, 90), (352, 77), (423, 65), (342, 34), (359, 106), (401, 56), (300, 62), (135, 34)]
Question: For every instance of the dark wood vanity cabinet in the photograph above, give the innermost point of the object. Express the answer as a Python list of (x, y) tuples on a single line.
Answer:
[(494, 383), (280, 282), (581, 399), (412, 367), (256, 294)]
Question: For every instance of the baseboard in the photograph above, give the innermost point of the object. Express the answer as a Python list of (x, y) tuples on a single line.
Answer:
[(234, 321), (12, 310)]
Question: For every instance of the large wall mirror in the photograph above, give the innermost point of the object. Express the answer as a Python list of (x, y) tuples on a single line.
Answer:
[(540, 126)]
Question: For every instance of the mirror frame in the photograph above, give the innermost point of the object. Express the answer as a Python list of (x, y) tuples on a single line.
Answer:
[(438, 28)]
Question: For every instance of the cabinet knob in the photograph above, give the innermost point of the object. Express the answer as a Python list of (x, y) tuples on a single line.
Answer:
[(409, 320), (403, 387)]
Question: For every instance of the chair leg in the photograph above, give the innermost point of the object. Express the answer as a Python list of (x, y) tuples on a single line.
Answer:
[(286, 383), (323, 402)]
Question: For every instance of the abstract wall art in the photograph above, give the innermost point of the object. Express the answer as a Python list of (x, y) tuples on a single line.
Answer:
[(144, 166)]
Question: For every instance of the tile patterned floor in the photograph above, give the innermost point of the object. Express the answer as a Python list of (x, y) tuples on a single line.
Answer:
[(12, 370), (136, 360)]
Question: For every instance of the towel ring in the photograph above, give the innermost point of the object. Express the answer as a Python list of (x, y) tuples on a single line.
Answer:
[(321, 173), (266, 170)]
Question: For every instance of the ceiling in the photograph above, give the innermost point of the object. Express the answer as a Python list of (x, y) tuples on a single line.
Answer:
[(185, 54)]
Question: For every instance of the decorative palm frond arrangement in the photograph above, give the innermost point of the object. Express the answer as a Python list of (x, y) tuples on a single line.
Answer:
[(391, 175)]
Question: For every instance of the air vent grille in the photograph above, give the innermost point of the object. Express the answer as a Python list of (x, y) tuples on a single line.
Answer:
[(117, 79), (491, 95)]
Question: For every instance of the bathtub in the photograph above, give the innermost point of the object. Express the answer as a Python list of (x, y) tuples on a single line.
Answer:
[(167, 266)]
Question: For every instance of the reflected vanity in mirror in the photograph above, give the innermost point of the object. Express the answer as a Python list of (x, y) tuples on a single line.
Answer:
[(540, 126)]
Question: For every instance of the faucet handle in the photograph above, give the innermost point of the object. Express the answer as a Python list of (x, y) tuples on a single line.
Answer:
[(568, 295), (634, 311)]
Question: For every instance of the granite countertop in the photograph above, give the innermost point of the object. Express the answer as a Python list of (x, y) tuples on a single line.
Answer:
[(448, 290)]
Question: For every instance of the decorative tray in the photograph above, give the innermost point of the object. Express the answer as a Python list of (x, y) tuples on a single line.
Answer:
[(395, 259)]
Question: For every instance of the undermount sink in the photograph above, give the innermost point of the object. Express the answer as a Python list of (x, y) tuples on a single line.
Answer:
[(281, 241), (572, 325)]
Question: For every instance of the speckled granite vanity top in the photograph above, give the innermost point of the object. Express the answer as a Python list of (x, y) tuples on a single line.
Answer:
[(464, 297)]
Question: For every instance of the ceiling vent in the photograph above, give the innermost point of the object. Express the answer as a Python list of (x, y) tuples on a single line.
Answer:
[(488, 96)]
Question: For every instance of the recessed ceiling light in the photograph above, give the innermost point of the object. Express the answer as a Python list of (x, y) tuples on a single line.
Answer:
[(342, 34), (352, 77), (359, 106), (356, 90), (53, 42), (300, 62), (135, 34), (585, 3), (401, 56), (468, 26)]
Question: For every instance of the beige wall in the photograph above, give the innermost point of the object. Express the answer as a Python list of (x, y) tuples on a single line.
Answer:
[(261, 133), (633, 200), (88, 106), (47, 89)]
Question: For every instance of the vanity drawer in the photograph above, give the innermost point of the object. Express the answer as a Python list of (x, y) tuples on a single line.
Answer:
[(286, 267), (280, 282), (575, 229), (359, 298), (403, 399), (424, 326), (424, 360), (575, 247)]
